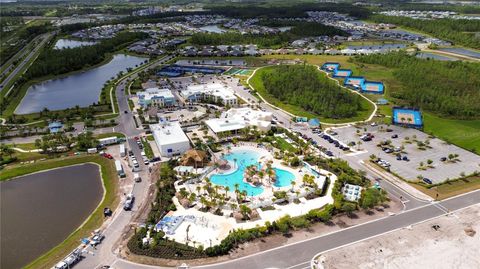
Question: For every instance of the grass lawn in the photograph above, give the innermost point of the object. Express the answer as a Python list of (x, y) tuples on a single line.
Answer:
[(464, 133), (451, 188), (110, 182), (257, 83), (26, 146), (118, 135), (284, 145), (147, 148)]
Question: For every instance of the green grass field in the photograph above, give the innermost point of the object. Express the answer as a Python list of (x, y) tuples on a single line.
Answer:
[(110, 182), (464, 133), (256, 82)]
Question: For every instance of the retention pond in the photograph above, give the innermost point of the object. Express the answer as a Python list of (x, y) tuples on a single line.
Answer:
[(39, 211)]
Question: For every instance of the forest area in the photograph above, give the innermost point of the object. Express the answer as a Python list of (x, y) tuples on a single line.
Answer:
[(56, 62), (306, 87), (449, 89), (460, 32)]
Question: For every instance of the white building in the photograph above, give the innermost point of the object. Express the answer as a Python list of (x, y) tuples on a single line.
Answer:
[(352, 192), (156, 96), (239, 118), (170, 138), (217, 92)]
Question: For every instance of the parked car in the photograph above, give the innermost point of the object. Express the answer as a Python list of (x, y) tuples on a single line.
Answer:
[(96, 239), (129, 202), (443, 159), (395, 136), (428, 181)]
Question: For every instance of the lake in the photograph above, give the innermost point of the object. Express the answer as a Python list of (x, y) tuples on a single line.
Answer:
[(82, 89), (212, 29), (461, 51), (40, 210), (69, 43)]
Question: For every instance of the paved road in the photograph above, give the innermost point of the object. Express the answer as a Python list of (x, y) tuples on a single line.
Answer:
[(25, 61), (121, 219), (299, 255)]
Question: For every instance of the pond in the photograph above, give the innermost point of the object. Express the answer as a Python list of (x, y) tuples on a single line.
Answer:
[(426, 55), (82, 89), (212, 29), (40, 210), (462, 51), (69, 43)]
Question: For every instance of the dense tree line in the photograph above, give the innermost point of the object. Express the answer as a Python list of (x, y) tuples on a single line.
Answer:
[(299, 30), (304, 86), (451, 89), (56, 62), (465, 9), (288, 10), (263, 41), (457, 31)]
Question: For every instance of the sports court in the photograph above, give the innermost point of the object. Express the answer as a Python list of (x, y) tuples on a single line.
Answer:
[(406, 116), (342, 73), (354, 82), (373, 87), (239, 72), (330, 67)]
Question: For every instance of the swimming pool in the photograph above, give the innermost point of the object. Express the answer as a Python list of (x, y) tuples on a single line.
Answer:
[(242, 159)]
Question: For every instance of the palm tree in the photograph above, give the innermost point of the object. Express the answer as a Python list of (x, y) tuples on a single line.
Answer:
[(293, 184), (227, 189)]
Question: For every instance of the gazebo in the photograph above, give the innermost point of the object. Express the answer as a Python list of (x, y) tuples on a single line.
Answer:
[(195, 158)]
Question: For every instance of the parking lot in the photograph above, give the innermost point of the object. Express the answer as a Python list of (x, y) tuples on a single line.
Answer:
[(412, 153)]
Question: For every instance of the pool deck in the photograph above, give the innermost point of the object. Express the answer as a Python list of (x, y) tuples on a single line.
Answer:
[(212, 228)]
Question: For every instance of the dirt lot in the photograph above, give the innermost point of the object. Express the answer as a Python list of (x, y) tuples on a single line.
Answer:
[(455, 244)]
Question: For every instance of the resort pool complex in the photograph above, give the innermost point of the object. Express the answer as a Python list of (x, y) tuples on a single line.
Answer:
[(240, 160)]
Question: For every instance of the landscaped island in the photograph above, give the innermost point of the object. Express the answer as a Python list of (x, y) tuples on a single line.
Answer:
[(304, 91)]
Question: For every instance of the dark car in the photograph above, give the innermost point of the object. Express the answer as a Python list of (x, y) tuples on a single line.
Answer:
[(443, 159), (395, 136), (426, 180), (399, 157), (329, 153), (405, 158), (126, 112)]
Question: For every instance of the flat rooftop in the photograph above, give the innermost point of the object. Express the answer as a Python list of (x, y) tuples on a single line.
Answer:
[(167, 133)]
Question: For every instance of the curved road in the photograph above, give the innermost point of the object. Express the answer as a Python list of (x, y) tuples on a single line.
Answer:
[(297, 255)]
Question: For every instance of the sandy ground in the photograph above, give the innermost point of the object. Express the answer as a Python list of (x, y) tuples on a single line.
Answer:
[(456, 244)]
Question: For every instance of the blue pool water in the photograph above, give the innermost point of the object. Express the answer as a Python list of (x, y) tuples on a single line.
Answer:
[(242, 159), (283, 178)]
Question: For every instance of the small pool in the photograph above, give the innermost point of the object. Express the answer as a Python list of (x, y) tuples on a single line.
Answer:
[(241, 159), (283, 178)]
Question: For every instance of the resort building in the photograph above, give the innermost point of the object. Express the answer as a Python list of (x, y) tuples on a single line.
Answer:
[(239, 118), (170, 138), (352, 192), (215, 92), (156, 97)]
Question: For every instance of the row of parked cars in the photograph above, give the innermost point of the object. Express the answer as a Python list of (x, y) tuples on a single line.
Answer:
[(333, 141), (76, 255)]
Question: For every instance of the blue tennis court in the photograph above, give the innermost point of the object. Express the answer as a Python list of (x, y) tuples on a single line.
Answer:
[(373, 87), (330, 67), (407, 116), (342, 73), (354, 82)]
